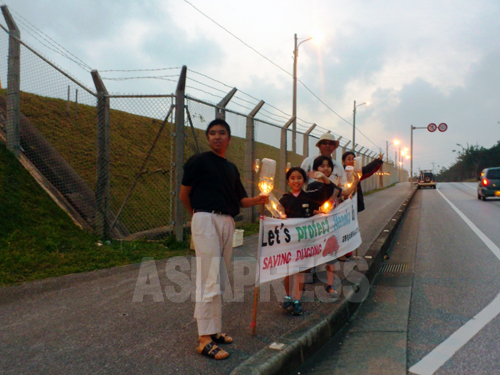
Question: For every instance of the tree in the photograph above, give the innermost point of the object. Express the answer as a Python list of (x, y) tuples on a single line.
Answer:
[(471, 160)]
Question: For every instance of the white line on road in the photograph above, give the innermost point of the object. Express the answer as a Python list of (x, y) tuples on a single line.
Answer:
[(473, 187), (447, 349)]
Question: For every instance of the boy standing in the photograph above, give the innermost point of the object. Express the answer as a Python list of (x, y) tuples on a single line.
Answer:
[(212, 192)]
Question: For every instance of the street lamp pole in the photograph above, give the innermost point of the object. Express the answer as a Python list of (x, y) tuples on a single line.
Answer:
[(411, 155), (354, 121), (354, 124), (399, 164), (294, 107), (411, 148)]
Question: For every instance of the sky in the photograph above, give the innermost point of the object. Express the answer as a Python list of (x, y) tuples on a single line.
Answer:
[(415, 62)]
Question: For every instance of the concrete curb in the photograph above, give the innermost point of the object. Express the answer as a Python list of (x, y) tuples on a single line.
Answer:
[(310, 336)]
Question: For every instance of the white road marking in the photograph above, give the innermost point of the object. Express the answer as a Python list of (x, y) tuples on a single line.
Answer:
[(469, 185), (447, 349)]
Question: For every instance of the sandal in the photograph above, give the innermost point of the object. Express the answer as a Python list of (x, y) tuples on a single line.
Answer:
[(331, 291), (211, 349), (221, 338)]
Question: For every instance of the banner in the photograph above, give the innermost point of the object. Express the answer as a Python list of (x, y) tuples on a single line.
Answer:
[(289, 246)]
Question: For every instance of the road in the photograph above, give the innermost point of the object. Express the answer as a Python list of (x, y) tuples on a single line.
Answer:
[(92, 323), (436, 311)]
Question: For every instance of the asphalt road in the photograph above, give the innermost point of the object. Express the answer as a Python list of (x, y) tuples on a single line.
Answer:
[(90, 323), (440, 315), (456, 277)]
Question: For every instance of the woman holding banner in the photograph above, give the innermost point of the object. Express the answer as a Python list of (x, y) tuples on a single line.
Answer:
[(324, 165)]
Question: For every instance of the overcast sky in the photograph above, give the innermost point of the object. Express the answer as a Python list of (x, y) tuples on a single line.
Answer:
[(416, 62)]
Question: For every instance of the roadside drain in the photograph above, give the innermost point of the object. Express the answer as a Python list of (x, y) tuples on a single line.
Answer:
[(393, 267)]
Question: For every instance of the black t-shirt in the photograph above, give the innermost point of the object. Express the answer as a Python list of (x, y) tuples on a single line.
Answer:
[(216, 183), (306, 202)]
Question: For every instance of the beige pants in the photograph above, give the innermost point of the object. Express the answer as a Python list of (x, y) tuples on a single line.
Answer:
[(213, 241)]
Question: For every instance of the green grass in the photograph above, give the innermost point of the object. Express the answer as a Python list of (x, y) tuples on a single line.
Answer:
[(39, 240), (250, 228), (74, 137)]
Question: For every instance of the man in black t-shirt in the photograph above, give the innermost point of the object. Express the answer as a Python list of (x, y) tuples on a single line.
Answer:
[(212, 192)]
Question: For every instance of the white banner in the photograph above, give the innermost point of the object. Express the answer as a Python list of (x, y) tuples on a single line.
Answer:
[(289, 246)]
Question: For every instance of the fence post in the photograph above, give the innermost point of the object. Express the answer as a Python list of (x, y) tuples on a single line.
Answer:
[(305, 146), (366, 160), (179, 153), (334, 154), (381, 178), (220, 109), (344, 149), (283, 157), (13, 130), (103, 190), (248, 174), (67, 102), (369, 159), (76, 102)]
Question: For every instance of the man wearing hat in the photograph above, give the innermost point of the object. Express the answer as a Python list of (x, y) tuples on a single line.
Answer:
[(327, 145)]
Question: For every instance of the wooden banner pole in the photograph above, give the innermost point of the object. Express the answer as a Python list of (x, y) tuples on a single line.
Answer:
[(257, 283)]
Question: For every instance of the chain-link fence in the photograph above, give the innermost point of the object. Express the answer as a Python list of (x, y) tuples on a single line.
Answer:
[(113, 158), (59, 122), (57, 130), (141, 160)]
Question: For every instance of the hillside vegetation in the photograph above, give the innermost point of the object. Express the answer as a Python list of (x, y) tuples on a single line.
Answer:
[(39, 240), (471, 160), (132, 136)]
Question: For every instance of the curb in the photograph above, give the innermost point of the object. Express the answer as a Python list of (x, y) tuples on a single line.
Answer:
[(309, 337)]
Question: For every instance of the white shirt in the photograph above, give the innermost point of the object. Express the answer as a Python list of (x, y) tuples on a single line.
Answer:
[(338, 176)]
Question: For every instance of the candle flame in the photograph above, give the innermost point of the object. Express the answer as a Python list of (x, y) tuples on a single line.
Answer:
[(326, 207), (265, 187)]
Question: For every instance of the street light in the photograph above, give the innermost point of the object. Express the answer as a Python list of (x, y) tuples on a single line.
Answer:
[(401, 163), (354, 121), (294, 109)]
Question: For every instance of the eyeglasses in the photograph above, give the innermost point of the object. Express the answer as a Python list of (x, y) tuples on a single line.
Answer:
[(327, 143)]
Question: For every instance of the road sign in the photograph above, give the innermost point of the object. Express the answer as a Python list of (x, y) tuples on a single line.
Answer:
[(432, 127), (442, 127)]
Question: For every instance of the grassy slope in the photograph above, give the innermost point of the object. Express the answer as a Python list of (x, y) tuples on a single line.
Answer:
[(74, 137), (39, 240)]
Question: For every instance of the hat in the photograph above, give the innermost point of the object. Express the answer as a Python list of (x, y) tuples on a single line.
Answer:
[(327, 137)]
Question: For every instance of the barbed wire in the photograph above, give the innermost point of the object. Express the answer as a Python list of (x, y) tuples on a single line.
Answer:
[(138, 70), (51, 41), (51, 44), (204, 84), (241, 105), (276, 65), (246, 101), (206, 92), (141, 77), (270, 114), (286, 115), (213, 79)]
